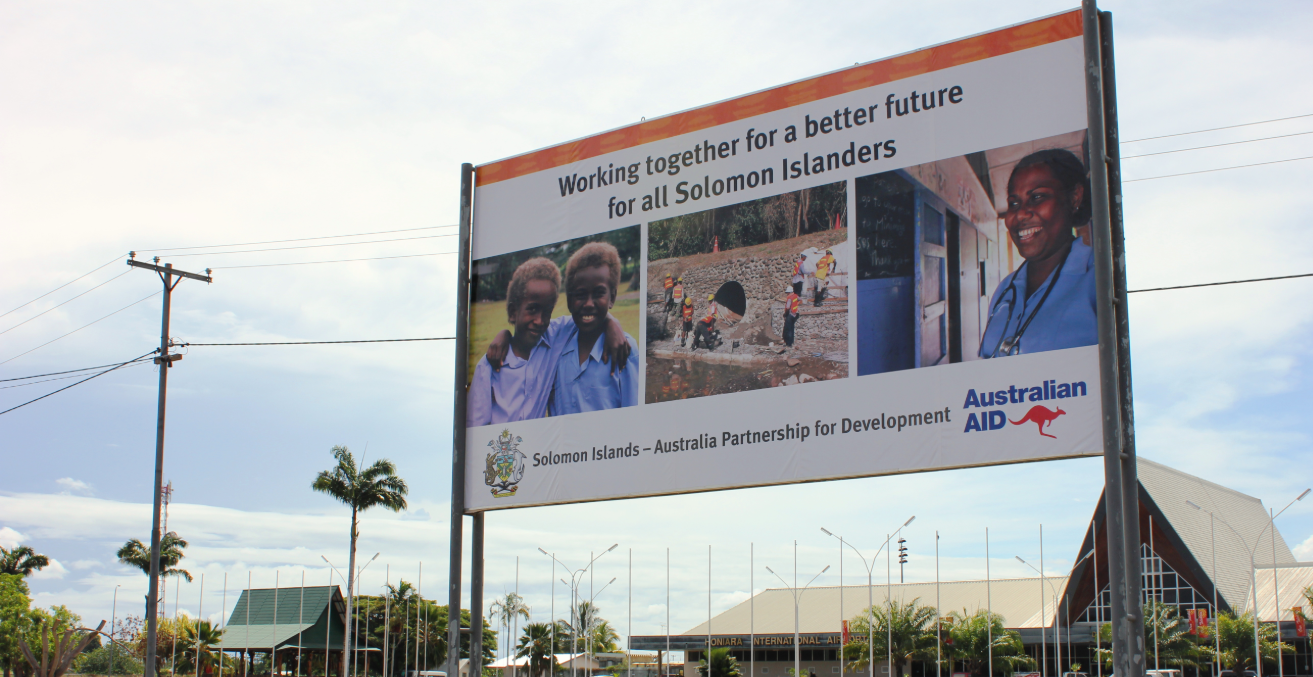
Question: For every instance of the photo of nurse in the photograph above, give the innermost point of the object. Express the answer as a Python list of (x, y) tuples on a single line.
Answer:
[(1049, 302)]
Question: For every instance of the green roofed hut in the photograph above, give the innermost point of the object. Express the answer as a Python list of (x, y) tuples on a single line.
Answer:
[(305, 624)]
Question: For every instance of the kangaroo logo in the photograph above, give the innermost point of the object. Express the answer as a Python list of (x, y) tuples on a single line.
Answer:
[(1040, 416)]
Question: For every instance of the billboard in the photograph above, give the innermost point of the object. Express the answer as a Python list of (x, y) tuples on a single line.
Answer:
[(884, 269)]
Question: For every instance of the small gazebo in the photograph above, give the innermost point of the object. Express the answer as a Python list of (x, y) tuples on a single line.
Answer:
[(287, 623)]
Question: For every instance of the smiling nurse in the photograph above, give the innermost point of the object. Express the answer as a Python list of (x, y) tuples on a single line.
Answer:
[(1048, 303)]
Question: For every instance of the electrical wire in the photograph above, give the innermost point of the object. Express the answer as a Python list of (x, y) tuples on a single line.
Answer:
[(62, 378), (120, 365), (82, 327), (310, 263), (54, 373), (1218, 284), (310, 246), (1219, 169), (60, 287), (1214, 129), (299, 239), (317, 343), (1216, 145), (68, 301)]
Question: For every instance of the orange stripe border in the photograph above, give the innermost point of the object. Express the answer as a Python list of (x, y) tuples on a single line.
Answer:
[(968, 50)]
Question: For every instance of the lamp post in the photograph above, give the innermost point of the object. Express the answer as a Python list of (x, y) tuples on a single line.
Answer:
[(350, 626), (1067, 598), (797, 598), (574, 600), (113, 615), (1057, 632), (870, 603), (1253, 573), (592, 614)]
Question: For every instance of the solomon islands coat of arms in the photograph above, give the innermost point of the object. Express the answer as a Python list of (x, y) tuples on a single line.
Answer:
[(505, 465)]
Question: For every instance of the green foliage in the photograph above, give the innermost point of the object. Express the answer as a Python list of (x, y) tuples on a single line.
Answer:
[(974, 637), (748, 223), (15, 619), (1236, 635), (723, 664), (400, 613), (1175, 646), (198, 638), (21, 561), (99, 661), (134, 553), (911, 626), (536, 644)]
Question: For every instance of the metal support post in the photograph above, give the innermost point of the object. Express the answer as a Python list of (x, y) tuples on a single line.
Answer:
[(458, 419), (476, 597), (1121, 484)]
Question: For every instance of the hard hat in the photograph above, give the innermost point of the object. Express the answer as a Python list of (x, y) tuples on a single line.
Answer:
[(711, 297), (681, 278), (829, 251), (688, 300), (788, 290)]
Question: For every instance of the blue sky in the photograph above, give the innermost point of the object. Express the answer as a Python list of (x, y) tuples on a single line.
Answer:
[(129, 126)]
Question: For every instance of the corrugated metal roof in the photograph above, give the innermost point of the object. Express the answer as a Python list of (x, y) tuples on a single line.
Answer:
[(264, 637), (1017, 600), (1290, 583), (300, 618), (1170, 489)]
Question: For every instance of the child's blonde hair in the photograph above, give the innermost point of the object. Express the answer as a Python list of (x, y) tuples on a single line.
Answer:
[(596, 254), (534, 269)]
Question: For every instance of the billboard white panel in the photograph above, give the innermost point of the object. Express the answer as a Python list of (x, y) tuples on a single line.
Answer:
[(880, 270)]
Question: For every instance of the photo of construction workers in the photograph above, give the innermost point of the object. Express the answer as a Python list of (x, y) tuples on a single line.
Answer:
[(980, 256), (753, 295), (552, 330)]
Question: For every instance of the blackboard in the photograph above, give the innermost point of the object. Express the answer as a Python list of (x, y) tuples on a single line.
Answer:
[(886, 226)]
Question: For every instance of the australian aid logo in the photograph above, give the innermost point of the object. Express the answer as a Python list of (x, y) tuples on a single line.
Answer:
[(1037, 405)]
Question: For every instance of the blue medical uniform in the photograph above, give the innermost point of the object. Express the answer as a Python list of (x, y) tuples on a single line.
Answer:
[(1067, 318), (520, 390), (591, 386)]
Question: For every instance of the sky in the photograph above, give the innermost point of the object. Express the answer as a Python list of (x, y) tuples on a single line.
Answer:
[(140, 126)]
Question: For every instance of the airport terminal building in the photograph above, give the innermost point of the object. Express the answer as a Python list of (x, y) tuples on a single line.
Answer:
[(1177, 561)]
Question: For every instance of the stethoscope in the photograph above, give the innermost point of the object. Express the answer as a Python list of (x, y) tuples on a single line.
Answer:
[(1011, 345)]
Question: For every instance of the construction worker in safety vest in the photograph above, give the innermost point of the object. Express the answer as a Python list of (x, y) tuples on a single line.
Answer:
[(686, 311), (677, 294), (669, 287), (790, 315), (823, 268), (798, 274), (702, 334)]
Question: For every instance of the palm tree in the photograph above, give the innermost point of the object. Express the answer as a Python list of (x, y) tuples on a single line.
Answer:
[(603, 637), (362, 489), (199, 637), (911, 632), (723, 664), (137, 554), (974, 637), (1173, 645), (21, 561), (536, 644), (506, 609)]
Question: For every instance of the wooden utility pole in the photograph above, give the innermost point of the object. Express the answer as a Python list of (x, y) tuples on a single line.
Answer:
[(165, 360)]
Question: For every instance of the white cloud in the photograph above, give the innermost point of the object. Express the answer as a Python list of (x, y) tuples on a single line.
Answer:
[(51, 572), (10, 538), (72, 486), (84, 564), (1304, 551), (420, 515)]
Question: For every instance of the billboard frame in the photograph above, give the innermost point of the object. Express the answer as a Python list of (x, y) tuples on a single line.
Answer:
[(1120, 479)]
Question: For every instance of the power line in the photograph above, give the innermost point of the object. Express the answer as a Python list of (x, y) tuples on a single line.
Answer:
[(298, 239), (1218, 284), (310, 246), (61, 378), (54, 373), (68, 301), (316, 343), (123, 364), (1219, 169), (60, 287), (1216, 145), (81, 328), (1214, 129), (310, 263)]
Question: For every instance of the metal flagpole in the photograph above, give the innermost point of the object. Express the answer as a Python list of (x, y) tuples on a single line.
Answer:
[(752, 611), (1217, 637), (418, 627), (515, 621), (1155, 583), (200, 614), (629, 655), (273, 650), (328, 624), (223, 618), (387, 618), (173, 660), (842, 619), (367, 614), (246, 650), (939, 628), (667, 608), (1098, 608), (553, 650), (1276, 595), (1057, 658), (888, 601), (708, 657), (989, 612), (300, 624)]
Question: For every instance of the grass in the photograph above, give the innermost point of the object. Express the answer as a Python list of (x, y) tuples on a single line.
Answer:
[(489, 317)]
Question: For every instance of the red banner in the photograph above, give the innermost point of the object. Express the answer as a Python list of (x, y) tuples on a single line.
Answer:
[(845, 633), (1301, 629)]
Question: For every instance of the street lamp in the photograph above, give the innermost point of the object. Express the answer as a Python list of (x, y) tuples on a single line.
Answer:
[(1067, 599), (870, 603), (797, 598), (350, 626), (1057, 632), (1253, 574), (574, 600)]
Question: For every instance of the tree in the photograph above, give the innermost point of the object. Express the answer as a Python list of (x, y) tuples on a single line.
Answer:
[(199, 638), (722, 664), (408, 622), (360, 488), (536, 645), (505, 610), (134, 553), (15, 619), (1175, 646), (911, 629), (971, 636), (21, 561), (1236, 635)]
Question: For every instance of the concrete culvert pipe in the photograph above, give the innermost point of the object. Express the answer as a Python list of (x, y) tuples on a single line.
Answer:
[(731, 296)]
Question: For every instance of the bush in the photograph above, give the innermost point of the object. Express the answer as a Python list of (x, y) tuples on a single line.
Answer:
[(96, 662)]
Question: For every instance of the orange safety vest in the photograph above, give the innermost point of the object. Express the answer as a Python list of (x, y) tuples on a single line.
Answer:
[(679, 292), (791, 303), (823, 266), (669, 282), (797, 267), (688, 313)]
